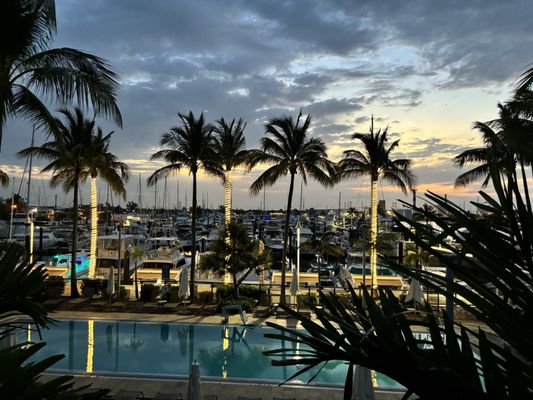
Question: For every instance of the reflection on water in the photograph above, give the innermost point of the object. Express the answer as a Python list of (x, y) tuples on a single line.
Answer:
[(169, 349), (90, 345)]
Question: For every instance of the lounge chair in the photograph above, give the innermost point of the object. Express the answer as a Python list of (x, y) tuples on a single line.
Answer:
[(128, 395), (167, 396)]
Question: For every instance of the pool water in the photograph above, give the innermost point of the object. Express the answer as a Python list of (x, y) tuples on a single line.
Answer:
[(154, 349)]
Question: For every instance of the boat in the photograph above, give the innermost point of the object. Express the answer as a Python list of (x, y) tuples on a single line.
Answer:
[(49, 240), (361, 272), (62, 262), (108, 253), (162, 259)]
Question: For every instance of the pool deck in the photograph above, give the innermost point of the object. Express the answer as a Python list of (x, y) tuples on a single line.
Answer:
[(169, 318), (224, 390), (215, 319)]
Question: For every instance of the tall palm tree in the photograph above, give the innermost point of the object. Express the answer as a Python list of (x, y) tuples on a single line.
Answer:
[(375, 161), (66, 152), (502, 140), (229, 144), (4, 179), (290, 151), (323, 247), (31, 73), (100, 162), (189, 145), (526, 81)]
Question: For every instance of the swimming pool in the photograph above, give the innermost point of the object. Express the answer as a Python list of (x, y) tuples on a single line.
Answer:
[(166, 350)]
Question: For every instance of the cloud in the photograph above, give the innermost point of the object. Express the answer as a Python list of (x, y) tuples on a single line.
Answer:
[(338, 60)]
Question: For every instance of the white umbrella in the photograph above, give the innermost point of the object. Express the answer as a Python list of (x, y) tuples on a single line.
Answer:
[(415, 293), (363, 389), (295, 285), (346, 277), (111, 282), (194, 388), (295, 282), (183, 291)]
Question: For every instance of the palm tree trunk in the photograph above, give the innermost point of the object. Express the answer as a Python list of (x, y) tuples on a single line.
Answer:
[(94, 228), (285, 240), (227, 218), (73, 283), (373, 231), (193, 235)]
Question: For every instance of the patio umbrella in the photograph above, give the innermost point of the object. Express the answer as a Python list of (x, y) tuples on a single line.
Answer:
[(363, 389), (111, 282), (194, 387), (183, 291), (295, 283), (346, 277), (415, 293)]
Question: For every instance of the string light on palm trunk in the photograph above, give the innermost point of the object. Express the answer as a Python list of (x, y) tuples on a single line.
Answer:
[(227, 220), (373, 232), (90, 346), (94, 228)]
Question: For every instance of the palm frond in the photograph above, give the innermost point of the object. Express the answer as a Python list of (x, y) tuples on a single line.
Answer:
[(269, 177)]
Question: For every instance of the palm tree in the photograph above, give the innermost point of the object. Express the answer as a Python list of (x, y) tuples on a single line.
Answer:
[(189, 145), (503, 139), (4, 179), (137, 253), (375, 161), (246, 255), (66, 152), (526, 81), (101, 162), (230, 146), (323, 247), (291, 152), (29, 68)]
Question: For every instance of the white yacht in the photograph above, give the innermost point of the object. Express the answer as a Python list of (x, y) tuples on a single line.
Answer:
[(162, 259), (49, 239)]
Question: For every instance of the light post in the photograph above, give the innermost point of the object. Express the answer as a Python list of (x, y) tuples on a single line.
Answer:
[(298, 231), (29, 221), (13, 207), (119, 256)]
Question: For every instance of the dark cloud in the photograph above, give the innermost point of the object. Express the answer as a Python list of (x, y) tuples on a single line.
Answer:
[(335, 59)]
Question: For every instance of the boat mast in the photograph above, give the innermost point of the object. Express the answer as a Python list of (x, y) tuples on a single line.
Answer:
[(29, 179), (301, 195), (140, 200), (165, 194), (178, 193)]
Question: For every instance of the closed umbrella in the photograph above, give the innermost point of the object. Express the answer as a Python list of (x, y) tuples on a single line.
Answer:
[(183, 291), (295, 282), (415, 293), (194, 387), (363, 389), (111, 282), (346, 277)]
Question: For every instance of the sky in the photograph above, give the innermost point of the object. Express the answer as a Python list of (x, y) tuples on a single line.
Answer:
[(427, 70)]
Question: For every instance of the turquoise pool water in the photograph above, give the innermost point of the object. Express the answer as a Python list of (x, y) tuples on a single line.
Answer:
[(154, 349)]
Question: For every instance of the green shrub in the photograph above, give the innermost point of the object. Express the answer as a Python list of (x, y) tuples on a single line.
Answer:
[(307, 300), (251, 291), (248, 304), (93, 287), (174, 290), (148, 292), (53, 288)]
